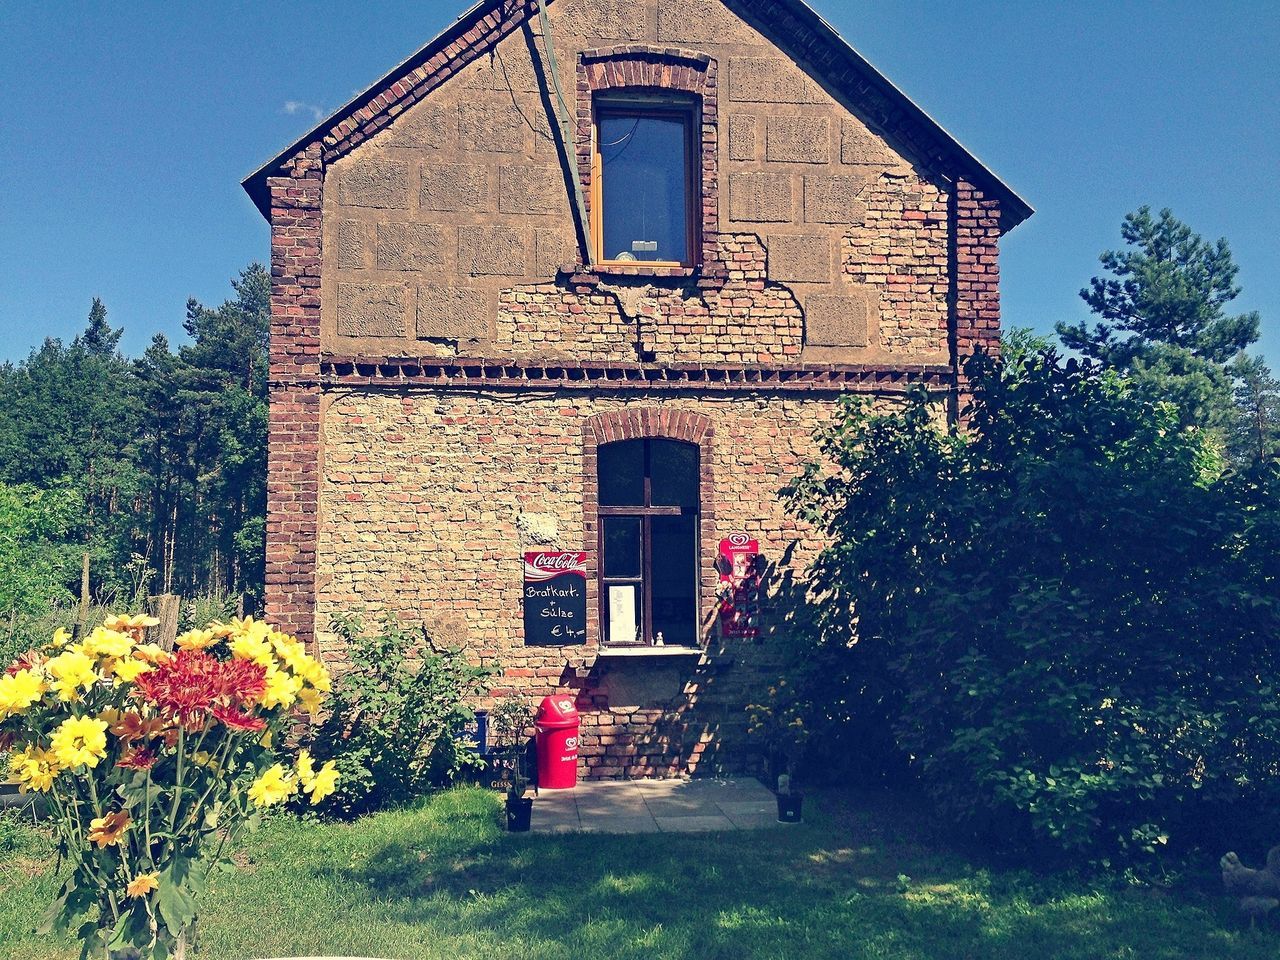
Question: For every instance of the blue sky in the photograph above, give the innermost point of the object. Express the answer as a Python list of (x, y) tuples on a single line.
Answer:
[(126, 128)]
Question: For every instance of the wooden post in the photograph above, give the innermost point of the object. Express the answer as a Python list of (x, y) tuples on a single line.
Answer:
[(164, 608), (82, 616)]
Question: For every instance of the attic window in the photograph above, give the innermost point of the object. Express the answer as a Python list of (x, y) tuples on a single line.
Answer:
[(644, 183)]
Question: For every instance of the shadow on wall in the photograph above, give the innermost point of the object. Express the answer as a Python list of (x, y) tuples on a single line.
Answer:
[(650, 717)]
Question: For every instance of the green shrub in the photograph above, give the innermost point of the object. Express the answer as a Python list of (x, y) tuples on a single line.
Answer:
[(1065, 618), (396, 716)]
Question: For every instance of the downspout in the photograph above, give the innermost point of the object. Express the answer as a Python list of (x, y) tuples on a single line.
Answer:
[(566, 131)]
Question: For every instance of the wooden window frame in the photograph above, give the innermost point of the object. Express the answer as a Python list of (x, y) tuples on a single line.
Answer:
[(687, 109), (646, 513)]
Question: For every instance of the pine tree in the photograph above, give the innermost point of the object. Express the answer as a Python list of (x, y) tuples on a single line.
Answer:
[(1256, 433), (1164, 320)]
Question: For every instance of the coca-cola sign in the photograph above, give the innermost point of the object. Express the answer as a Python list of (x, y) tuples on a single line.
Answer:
[(555, 597), (545, 564)]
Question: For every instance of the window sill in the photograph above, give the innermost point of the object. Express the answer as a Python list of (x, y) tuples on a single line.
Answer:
[(647, 651), (641, 270)]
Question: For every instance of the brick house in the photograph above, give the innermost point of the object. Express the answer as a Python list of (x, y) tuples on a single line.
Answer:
[(597, 303)]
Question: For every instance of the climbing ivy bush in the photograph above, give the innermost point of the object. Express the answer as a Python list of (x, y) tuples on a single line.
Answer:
[(1064, 619)]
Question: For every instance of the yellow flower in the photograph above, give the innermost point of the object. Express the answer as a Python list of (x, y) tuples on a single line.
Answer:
[(73, 671), (196, 640), (222, 630), (152, 654), (324, 782), (32, 769), (281, 690), (134, 624), (309, 697), (19, 691), (314, 672), (253, 647), (143, 884), (80, 741), (130, 670), (109, 830), (108, 643), (61, 637), (306, 769), (272, 787)]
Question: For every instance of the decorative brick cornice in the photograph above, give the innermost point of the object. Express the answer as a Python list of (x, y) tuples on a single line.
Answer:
[(668, 69), (636, 423), (434, 373)]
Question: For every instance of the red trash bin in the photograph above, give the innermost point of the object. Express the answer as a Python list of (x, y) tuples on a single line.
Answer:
[(557, 726)]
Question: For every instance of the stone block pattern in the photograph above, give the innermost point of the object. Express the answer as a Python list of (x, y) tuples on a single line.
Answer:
[(798, 140), (452, 187), (744, 133), (761, 198), (382, 184), (453, 313), (800, 258), (423, 496), (411, 246), (371, 310)]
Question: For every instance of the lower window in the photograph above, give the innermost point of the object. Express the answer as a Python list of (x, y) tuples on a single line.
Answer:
[(649, 542)]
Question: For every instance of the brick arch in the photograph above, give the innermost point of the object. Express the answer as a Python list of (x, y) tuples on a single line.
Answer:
[(644, 67), (637, 423)]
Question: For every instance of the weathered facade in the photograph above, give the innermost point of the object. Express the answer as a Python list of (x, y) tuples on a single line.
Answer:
[(456, 357)]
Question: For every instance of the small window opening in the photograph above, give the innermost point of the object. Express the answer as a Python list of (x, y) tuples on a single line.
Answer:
[(649, 511), (645, 182)]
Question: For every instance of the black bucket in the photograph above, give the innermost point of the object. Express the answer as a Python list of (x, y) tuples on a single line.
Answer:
[(789, 807), (519, 814)]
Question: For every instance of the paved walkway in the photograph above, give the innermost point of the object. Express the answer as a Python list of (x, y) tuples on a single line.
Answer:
[(653, 806)]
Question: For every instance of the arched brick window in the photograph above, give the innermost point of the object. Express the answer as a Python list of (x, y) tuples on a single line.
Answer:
[(633, 99), (649, 518)]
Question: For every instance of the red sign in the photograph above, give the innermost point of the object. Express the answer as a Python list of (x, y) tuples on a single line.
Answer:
[(739, 569)]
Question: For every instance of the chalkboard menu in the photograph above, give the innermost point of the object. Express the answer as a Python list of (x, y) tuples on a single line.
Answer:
[(555, 598)]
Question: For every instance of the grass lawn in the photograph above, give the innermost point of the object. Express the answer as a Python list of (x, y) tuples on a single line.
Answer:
[(859, 880)]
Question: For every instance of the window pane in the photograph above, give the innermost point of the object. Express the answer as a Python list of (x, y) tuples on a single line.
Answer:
[(675, 580), (621, 470), (624, 613), (674, 469), (645, 187), (622, 547)]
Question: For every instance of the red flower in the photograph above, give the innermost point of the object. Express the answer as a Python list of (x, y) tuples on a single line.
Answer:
[(194, 682), (138, 758), (238, 719)]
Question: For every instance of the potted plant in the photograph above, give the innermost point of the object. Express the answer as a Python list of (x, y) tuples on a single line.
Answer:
[(510, 722), (152, 762), (779, 723)]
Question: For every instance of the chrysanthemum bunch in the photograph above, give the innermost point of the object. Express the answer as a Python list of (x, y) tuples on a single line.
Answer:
[(153, 761)]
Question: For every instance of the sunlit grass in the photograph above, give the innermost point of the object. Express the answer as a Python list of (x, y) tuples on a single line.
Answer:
[(862, 880)]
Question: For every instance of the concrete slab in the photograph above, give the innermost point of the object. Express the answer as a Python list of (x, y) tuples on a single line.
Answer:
[(698, 824), (647, 806), (620, 825)]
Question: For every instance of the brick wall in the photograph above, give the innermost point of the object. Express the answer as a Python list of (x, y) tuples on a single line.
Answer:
[(293, 432), (431, 497)]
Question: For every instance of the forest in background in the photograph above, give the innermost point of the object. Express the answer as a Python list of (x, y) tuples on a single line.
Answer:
[(154, 467)]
